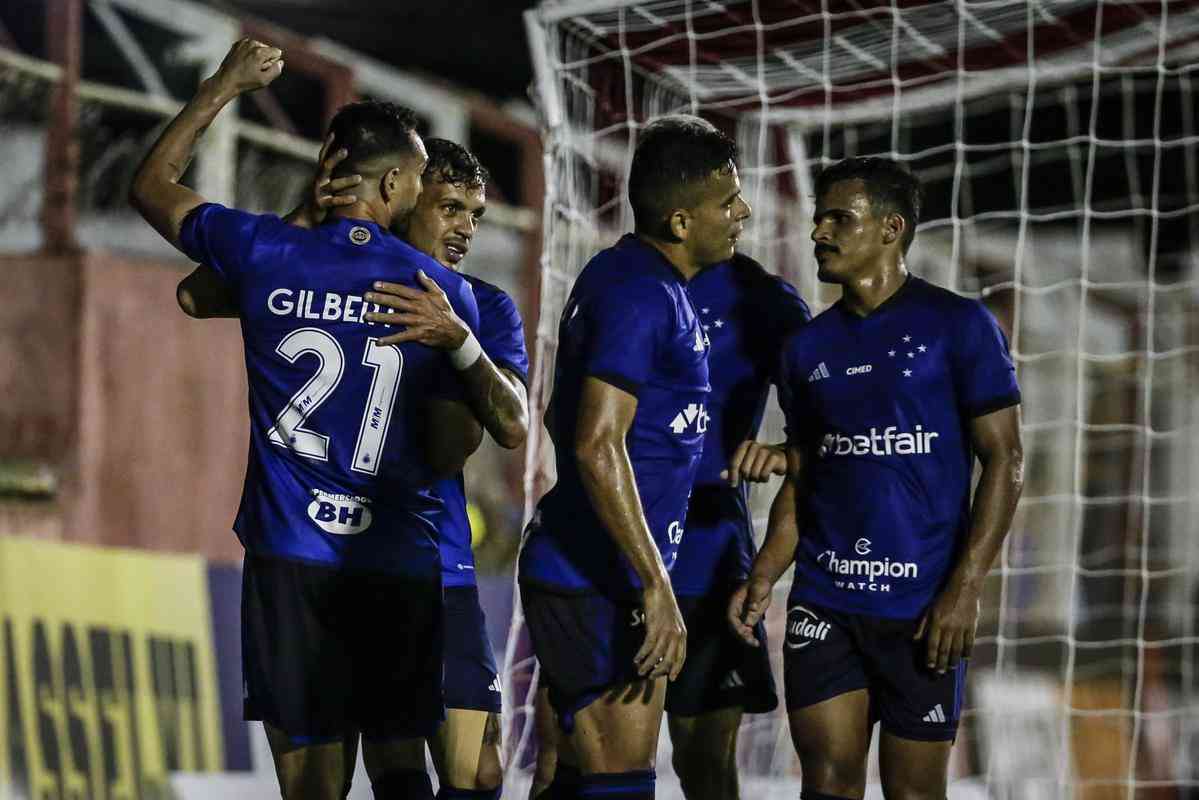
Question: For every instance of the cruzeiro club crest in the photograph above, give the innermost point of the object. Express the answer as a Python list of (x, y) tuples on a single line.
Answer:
[(359, 235)]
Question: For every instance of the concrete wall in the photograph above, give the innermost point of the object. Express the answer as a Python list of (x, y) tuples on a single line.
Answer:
[(140, 410)]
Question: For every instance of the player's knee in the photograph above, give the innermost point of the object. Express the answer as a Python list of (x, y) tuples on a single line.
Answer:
[(705, 765), (835, 777), (913, 788)]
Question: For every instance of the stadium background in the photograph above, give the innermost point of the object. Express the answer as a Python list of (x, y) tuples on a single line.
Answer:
[(1063, 190)]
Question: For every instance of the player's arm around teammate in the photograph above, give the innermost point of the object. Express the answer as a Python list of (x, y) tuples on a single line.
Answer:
[(497, 397)]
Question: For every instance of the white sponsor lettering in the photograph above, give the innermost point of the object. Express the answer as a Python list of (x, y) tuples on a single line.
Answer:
[(889, 442), (674, 532), (692, 414), (804, 627), (867, 567), (342, 514), (862, 370)]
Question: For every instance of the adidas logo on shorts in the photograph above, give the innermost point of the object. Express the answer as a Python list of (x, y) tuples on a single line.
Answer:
[(936, 715), (494, 686), (732, 681)]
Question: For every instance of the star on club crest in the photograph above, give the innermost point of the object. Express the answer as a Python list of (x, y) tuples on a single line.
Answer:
[(910, 351)]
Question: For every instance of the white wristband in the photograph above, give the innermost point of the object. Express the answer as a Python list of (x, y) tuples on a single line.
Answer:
[(466, 355)]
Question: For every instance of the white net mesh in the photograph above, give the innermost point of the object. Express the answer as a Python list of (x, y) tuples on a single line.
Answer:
[(1057, 143)]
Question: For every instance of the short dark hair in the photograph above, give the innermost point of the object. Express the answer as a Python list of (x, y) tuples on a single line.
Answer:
[(672, 155), (450, 162), (890, 185), (369, 129)]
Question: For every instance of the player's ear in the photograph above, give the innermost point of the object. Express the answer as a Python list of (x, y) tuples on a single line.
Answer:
[(893, 227), (389, 184), (679, 224)]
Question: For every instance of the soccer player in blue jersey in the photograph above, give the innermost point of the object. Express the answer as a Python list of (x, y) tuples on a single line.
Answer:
[(627, 417), (747, 314), (889, 395), (443, 224), (348, 439)]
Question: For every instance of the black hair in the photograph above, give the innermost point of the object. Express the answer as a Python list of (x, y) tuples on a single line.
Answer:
[(672, 155), (450, 162), (369, 129), (891, 187)]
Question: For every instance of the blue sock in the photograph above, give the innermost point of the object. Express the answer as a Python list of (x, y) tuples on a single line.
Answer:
[(637, 785), (565, 785), (403, 784), (809, 794), (450, 793)]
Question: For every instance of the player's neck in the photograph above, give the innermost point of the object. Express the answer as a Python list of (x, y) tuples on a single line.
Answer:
[(865, 293), (679, 258), (361, 210)]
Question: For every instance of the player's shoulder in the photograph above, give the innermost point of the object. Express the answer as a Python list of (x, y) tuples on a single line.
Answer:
[(630, 271), (491, 296), (262, 227), (940, 298), (956, 311)]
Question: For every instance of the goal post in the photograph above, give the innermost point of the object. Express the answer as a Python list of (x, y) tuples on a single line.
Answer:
[(1057, 142)]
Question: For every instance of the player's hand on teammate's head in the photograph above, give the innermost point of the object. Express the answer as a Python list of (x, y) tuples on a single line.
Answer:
[(426, 314), (329, 192), (747, 606), (665, 647), (249, 65), (755, 462)]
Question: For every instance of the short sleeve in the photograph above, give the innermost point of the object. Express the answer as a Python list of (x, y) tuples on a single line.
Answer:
[(783, 313), (223, 238), (624, 327), (983, 373), (502, 333), (792, 396)]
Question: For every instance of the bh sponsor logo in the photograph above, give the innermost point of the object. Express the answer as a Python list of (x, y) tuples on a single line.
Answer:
[(865, 574), (804, 627), (889, 441), (343, 514)]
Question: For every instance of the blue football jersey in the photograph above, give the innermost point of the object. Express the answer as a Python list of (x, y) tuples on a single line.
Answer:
[(502, 336), (628, 322), (883, 405), (747, 314), (336, 473)]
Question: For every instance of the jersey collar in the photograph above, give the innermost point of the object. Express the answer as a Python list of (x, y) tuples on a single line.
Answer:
[(654, 255), (908, 284)]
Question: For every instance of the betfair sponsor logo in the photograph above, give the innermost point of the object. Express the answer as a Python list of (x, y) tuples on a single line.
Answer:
[(890, 441)]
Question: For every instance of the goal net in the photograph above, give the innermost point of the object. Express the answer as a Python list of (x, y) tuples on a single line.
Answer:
[(1057, 144)]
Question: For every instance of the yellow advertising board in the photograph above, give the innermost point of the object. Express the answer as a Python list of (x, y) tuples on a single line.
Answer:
[(107, 672)]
